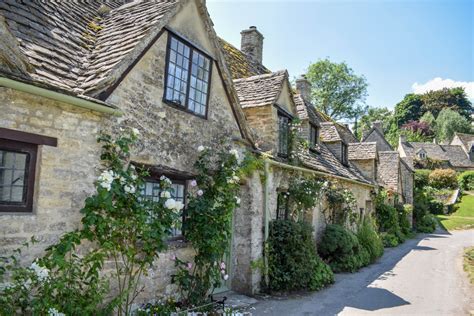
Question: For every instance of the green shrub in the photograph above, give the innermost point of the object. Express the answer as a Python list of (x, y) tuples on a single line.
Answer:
[(443, 179), (403, 212), (435, 207), (427, 224), (389, 240), (421, 177), (293, 262), (466, 180), (370, 240), (342, 250)]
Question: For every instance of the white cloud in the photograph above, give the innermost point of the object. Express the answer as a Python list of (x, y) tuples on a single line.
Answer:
[(440, 83)]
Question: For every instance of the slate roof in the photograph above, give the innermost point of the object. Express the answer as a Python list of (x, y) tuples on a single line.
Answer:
[(388, 163), (306, 110), (325, 161), (75, 45), (362, 151), (454, 154), (240, 64), (466, 139), (260, 90), (329, 132)]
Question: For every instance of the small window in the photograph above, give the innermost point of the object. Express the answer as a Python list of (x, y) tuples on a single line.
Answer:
[(17, 175), (422, 155), (344, 159), (188, 74), (151, 191), (313, 136), (282, 205), (283, 135)]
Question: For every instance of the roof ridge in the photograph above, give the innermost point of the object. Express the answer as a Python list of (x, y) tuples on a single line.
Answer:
[(272, 74)]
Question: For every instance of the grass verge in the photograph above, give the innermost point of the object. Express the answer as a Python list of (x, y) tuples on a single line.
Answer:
[(469, 263), (463, 218)]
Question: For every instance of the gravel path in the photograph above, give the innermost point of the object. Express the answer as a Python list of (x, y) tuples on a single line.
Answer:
[(423, 276)]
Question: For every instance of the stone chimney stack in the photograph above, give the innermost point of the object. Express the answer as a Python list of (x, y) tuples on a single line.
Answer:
[(252, 43), (378, 125), (402, 139), (303, 87)]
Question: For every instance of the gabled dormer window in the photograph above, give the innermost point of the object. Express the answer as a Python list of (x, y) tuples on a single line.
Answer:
[(188, 73), (283, 134), (313, 136), (344, 159), (422, 155)]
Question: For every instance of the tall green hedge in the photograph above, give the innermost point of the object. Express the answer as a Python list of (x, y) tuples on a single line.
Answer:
[(293, 263), (466, 180)]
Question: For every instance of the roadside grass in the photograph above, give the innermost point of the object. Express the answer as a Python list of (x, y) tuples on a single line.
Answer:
[(469, 263), (463, 218)]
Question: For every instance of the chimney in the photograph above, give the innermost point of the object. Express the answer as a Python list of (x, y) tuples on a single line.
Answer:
[(402, 139), (365, 133), (378, 125), (303, 87), (252, 43)]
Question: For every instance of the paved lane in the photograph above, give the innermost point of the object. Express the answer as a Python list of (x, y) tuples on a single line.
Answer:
[(423, 276)]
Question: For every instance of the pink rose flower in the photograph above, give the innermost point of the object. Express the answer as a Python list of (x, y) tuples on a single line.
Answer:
[(193, 183), (190, 265), (200, 192)]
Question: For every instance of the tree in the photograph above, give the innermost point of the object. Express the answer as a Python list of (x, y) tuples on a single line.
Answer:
[(374, 114), (454, 98), (449, 122), (336, 90), (409, 109), (429, 118)]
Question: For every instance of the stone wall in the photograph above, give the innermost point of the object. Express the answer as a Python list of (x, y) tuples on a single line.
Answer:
[(407, 183), (335, 148), (366, 167), (64, 174), (388, 170), (262, 122), (382, 144)]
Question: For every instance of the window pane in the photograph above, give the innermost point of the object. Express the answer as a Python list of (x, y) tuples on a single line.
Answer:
[(199, 82), (283, 132), (178, 67), (13, 171)]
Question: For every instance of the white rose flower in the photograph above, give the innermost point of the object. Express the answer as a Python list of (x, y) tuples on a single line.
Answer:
[(235, 153), (134, 177), (226, 277), (170, 204), (236, 179), (122, 180), (129, 189), (41, 272), (201, 148), (135, 132), (54, 312), (27, 284), (165, 194), (237, 200), (178, 205)]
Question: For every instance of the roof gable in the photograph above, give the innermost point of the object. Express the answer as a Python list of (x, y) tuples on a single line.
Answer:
[(260, 90), (362, 151)]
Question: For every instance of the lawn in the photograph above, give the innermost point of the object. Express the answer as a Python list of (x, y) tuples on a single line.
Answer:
[(463, 218), (469, 263)]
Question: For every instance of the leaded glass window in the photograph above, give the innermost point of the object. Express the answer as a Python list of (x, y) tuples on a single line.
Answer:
[(151, 191), (187, 77), (283, 135), (282, 205), (313, 136)]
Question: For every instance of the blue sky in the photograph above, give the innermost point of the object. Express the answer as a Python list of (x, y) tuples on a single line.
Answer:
[(394, 44)]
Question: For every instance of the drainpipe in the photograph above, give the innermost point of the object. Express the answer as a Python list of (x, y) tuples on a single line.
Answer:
[(80, 102), (266, 217)]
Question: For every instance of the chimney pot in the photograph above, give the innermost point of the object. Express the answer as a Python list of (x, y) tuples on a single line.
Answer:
[(251, 43), (303, 87), (402, 138)]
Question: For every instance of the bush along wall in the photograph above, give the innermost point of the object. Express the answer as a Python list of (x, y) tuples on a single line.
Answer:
[(466, 180), (293, 263)]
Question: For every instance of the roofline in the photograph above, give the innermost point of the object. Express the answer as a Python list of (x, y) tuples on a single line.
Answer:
[(287, 166), (377, 131), (57, 96)]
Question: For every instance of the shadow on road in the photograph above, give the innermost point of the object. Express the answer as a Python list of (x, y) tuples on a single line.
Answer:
[(352, 289)]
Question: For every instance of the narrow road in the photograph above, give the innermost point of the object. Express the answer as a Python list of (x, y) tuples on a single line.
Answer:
[(423, 276)]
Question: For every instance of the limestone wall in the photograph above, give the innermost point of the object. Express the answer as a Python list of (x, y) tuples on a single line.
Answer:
[(366, 167), (64, 174)]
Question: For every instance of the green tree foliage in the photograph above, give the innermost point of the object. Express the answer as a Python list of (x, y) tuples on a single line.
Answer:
[(293, 262), (449, 122), (429, 118), (466, 180), (454, 99), (337, 90), (374, 114), (409, 109)]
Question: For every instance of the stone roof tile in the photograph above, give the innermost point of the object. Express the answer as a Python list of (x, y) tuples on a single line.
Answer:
[(454, 154), (260, 90), (362, 151), (239, 63)]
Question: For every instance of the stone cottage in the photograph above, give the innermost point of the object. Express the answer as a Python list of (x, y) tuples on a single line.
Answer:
[(458, 155), (70, 70), (270, 106), (392, 170)]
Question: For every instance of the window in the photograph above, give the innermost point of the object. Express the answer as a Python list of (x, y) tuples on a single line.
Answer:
[(283, 135), (282, 205), (187, 77), (152, 191), (422, 155), (313, 136), (17, 175), (344, 154)]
